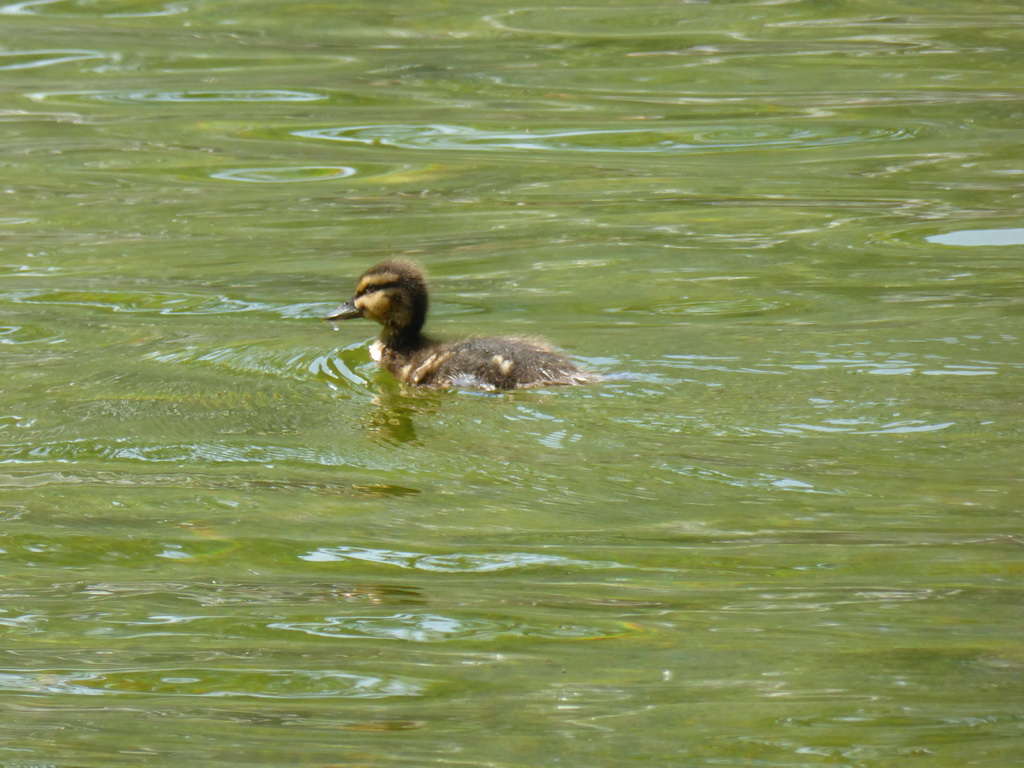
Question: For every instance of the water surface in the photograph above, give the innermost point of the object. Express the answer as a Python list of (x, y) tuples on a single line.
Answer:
[(783, 532)]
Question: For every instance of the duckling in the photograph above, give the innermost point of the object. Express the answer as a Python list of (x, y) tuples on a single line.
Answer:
[(394, 293)]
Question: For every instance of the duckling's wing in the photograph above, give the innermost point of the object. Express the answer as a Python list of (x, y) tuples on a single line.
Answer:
[(506, 363)]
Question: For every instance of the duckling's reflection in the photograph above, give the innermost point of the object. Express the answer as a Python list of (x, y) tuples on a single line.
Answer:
[(391, 422), (392, 419)]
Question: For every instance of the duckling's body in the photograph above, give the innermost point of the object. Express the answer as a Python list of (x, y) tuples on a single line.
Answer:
[(394, 293)]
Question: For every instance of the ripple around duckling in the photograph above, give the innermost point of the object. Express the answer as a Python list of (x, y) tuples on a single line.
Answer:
[(31, 59), (340, 369), (646, 140), (205, 682), (286, 174), (285, 361), (164, 97)]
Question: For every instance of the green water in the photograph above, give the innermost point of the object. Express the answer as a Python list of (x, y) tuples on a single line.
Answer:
[(785, 531)]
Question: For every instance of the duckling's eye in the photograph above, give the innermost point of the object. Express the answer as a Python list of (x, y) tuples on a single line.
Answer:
[(373, 287)]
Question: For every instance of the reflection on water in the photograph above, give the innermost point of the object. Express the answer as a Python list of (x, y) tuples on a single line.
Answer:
[(391, 420), (784, 530), (980, 237)]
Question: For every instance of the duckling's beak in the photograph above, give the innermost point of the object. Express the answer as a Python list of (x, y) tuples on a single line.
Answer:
[(346, 311)]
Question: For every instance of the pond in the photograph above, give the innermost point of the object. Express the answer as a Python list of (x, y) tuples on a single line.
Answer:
[(784, 530)]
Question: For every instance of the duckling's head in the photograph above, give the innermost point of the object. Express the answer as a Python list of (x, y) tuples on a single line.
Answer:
[(394, 293)]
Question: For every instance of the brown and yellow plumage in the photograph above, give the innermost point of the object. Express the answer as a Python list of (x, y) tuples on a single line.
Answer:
[(394, 293)]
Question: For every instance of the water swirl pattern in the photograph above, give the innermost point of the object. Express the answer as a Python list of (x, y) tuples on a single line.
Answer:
[(660, 140)]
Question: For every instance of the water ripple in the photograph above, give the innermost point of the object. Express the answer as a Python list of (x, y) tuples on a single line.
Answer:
[(740, 307), (436, 628), (120, 10), (629, 21), (263, 684), (418, 628), (286, 174), (163, 303), (121, 449), (32, 59), (861, 427), (163, 97), (647, 140), (253, 358), (452, 563), (902, 365), (19, 334)]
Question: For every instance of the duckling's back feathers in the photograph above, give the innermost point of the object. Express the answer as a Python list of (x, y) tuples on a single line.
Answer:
[(483, 363)]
